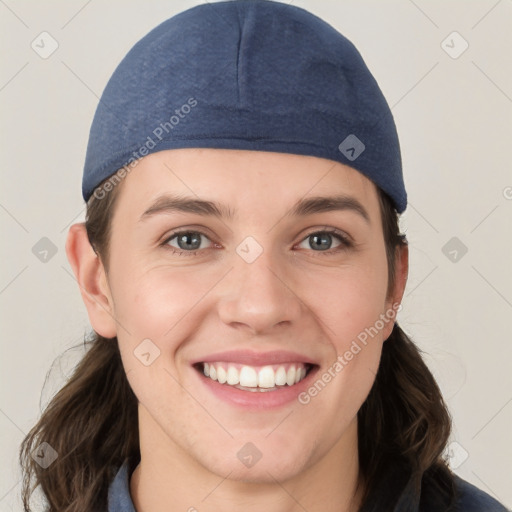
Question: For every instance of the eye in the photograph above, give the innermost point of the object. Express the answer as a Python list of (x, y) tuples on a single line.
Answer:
[(187, 241), (322, 240)]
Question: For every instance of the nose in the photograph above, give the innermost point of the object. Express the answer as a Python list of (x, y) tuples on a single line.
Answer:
[(259, 296)]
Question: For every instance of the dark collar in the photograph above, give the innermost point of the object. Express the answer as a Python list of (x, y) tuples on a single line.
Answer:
[(470, 498)]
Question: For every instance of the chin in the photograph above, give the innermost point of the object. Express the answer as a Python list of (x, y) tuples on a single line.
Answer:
[(263, 472), (257, 463)]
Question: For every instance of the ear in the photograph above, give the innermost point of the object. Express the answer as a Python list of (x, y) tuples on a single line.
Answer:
[(401, 273), (91, 277)]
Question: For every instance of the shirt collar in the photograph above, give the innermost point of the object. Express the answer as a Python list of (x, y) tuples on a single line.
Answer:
[(119, 499)]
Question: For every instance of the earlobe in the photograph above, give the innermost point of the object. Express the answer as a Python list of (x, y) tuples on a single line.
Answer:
[(401, 274), (90, 275), (402, 271)]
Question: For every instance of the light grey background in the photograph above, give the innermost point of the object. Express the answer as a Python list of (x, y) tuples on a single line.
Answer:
[(454, 118)]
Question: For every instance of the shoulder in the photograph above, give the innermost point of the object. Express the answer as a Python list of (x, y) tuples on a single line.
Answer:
[(473, 499)]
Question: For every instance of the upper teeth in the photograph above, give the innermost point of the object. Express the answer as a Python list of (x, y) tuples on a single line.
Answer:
[(255, 376)]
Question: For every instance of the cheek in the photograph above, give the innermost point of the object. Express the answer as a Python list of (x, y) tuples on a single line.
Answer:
[(153, 302), (351, 308), (159, 309), (350, 299)]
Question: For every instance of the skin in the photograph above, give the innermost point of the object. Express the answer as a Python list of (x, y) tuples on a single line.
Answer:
[(195, 305)]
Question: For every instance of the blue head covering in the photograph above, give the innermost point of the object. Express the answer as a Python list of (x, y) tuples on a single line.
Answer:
[(245, 74)]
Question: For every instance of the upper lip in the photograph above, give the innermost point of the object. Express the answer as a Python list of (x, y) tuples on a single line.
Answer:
[(255, 358)]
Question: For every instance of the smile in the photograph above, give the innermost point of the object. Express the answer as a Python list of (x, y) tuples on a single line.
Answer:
[(255, 378)]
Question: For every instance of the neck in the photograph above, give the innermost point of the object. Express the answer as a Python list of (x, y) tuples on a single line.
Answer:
[(169, 476)]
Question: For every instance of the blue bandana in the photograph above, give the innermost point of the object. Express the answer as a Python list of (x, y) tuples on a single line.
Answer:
[(244, 74)]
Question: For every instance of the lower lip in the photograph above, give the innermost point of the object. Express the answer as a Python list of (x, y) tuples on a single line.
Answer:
[(257, 400)]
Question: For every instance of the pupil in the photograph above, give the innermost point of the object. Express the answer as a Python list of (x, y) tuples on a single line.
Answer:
[(186, 239), (321, 241)]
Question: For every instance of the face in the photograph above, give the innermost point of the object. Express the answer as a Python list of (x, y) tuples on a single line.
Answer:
[(274, 302)]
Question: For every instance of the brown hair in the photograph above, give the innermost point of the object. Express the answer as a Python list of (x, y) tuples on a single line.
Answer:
[(404, 423), (92, 421)]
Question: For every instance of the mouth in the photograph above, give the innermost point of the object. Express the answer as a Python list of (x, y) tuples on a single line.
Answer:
[(255, 379)]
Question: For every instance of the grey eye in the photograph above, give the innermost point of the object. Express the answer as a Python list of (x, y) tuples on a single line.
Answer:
[(321, 241), (187, 240)]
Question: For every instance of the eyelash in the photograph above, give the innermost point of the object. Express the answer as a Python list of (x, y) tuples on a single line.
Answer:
[(345, 242)]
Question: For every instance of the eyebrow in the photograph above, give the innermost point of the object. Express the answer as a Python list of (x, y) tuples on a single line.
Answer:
[(303, 207)]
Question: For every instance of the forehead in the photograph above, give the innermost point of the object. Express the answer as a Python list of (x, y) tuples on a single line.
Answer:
[(245, 181)]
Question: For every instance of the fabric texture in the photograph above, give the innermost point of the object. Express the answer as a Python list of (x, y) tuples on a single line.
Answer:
[(471, 498), (119, 499), (245, 74)]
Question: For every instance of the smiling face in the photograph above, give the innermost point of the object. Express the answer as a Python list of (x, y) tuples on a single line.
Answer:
[(271, 288)]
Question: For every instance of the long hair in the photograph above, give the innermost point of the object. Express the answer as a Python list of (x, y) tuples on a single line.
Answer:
[(92, 422), (404, 423)]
